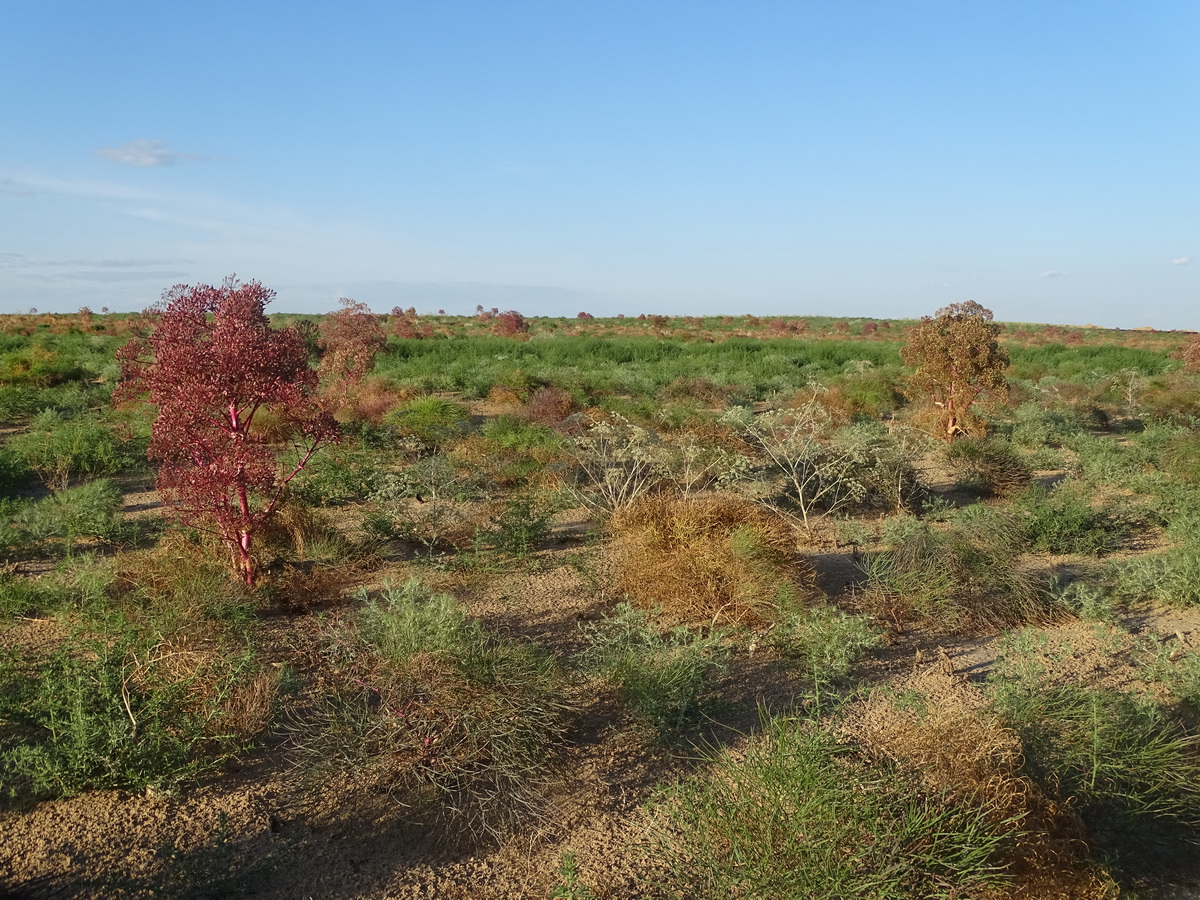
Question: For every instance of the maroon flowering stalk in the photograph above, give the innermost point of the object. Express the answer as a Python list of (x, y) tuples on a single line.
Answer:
[(210, 364)]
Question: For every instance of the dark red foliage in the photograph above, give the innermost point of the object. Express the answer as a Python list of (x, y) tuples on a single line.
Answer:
[(210, 365), (584, 315), (509, 323)]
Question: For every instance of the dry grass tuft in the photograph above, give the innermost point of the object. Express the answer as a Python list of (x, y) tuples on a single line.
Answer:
[(714, 559), (938, 727)]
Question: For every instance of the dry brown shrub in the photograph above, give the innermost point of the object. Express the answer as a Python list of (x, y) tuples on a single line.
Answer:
[(715, 559), (308, 585), (295, 526), (504, 398), (697, 388), (938, 728), (373, 399), (241, 708), (927, 417), (548, 406)]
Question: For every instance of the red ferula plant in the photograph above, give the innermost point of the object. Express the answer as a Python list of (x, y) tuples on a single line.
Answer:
[(211, 363), (350, 339)]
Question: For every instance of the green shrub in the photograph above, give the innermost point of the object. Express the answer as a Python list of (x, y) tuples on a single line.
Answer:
[(1171, 578), (337, 475), (409, 620), (661, 676), (107, 713), (990, 466), (824, 641), (793, 814), (523, 522), (59, 449), (1062, 521), (1180, 458), (1035, 426)]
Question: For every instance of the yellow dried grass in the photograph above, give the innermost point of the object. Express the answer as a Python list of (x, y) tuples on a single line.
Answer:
[(713, 559)]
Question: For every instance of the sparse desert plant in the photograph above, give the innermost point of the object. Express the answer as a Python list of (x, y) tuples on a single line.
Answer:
[(661, 675), (569, 886), (617, 462), (695, 466), (212, 362), (817, 473), (957, 359), (718, 559), (793, 813)]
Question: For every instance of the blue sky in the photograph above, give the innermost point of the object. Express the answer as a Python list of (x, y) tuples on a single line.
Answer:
[(848, 158)]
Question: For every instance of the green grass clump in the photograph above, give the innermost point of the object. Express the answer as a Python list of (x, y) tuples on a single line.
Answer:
[(793, 814), (991, 467), (661, 676), (1063, 521), (1131, 771), (458, 724), (60, 448), (431, 420), (965, 578)]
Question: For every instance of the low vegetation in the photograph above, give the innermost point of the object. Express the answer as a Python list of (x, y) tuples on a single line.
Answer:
[(777, 607)]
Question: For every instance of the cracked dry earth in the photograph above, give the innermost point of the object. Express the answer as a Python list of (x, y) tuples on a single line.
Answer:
[(251, 832)]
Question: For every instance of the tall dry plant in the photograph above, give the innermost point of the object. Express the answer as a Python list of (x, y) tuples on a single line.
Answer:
[(350, 339), (957, 359)]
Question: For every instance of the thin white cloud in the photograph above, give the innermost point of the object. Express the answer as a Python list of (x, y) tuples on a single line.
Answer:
[(9, 188), (1181, 261), (144, 153), (1050, 273)]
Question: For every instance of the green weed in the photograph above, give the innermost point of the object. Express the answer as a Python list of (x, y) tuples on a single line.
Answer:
[(662, 676)]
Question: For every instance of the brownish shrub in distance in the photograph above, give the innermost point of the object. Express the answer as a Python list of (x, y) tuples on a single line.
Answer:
[(716, 560)]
